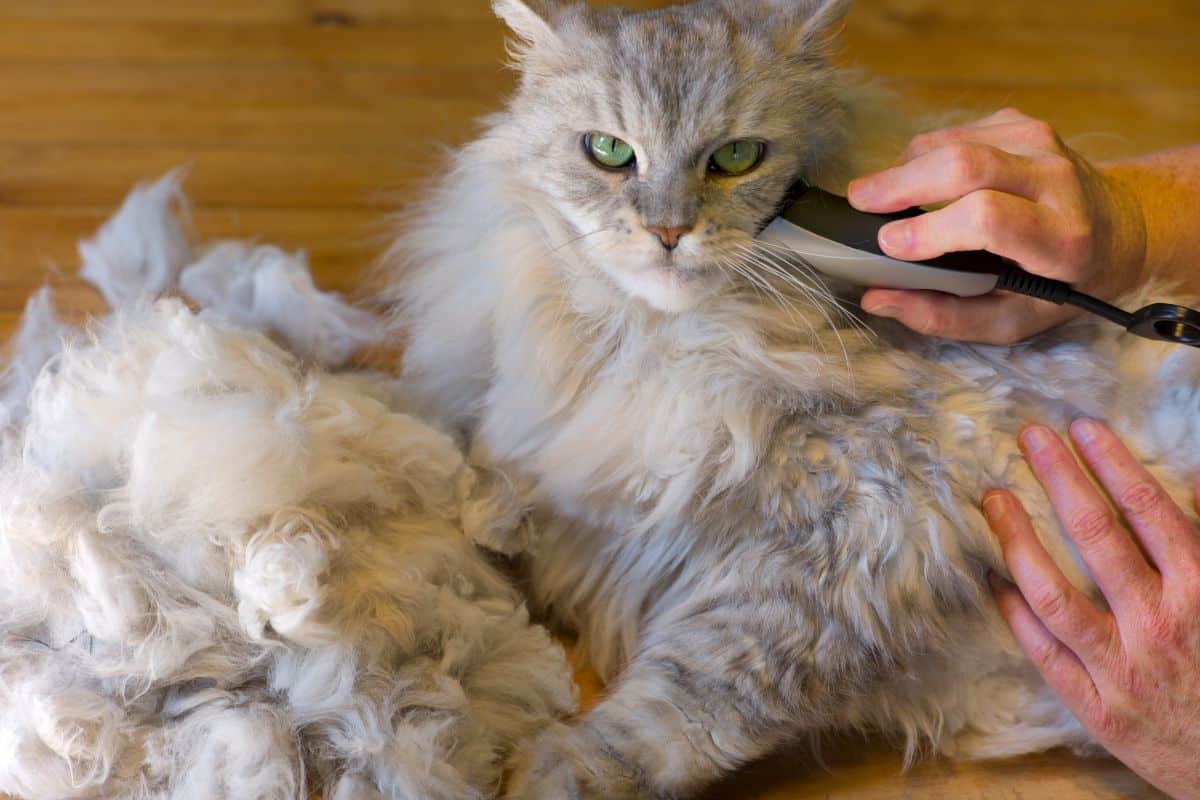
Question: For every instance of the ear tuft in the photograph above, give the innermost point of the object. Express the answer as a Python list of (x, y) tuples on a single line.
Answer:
[(822, 16), (803, 27), (528, 19)]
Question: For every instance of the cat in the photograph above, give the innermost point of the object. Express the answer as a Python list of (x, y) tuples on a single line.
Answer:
[(759, 511)]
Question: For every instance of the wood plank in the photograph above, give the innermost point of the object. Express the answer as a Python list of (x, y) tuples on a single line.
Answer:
[(1102, 123), (196, 106), (405, 112), (241, 12), (288, 175), (341, 244), (1033, 54), (47, 175), (405, 43), (1121, 16), (854, 769)]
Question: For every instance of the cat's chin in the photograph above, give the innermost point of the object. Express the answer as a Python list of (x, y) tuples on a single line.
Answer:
[(669, 290)]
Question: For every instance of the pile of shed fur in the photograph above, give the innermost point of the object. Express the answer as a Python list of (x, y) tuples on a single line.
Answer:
[(225, 568)]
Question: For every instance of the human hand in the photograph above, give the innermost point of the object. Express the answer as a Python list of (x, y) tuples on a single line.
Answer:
[(1016, 190), (1131, 675)]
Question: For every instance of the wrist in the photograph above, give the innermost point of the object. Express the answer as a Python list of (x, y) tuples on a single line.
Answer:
[(1128, 264), (1167, 187)]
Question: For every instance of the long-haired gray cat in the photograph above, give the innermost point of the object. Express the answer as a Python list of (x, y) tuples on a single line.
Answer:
[(760, 514)]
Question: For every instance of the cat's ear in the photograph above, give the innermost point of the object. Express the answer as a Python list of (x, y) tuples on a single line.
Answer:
[(528, 19), (808, 25), (822, 15)]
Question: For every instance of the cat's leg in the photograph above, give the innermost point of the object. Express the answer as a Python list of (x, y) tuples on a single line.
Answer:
[(711, 688)]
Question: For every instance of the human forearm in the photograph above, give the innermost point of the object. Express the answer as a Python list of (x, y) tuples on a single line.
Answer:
[(1166, 185)]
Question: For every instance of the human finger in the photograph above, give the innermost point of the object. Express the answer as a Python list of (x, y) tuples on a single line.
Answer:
[(1165, 532), (1001, 223), (1025, 136), (1065, 611), (1113, 558), (1062, 669), (944, 174), (990, 319)]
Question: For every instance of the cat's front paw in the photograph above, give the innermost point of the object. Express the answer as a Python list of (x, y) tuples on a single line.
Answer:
[(573, 763)]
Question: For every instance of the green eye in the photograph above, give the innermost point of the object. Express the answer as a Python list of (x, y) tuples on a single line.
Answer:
[(608, 151), (737, 157)]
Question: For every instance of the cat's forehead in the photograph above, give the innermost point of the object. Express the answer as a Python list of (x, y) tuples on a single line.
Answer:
[(683, 71)]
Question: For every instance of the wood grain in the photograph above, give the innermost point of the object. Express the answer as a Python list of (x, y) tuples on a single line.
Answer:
[(305, 121)]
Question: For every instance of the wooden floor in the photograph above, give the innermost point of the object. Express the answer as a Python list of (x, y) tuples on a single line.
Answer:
[(305, 120)]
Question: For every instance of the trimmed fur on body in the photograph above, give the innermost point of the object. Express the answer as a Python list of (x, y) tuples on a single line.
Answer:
[(225, 569), (760, 512)]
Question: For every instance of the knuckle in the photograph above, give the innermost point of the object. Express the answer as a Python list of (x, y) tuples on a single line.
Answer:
[(1010, 113), (1163, 631), (1042, 134), (1076, 243), (1142, 499), (1050, 602), (968, 164), (924, 141), (1044, 655), (1089, 526), (1109, 724), (987, 214), (1060, 168), (930, 141), (1060, 178)]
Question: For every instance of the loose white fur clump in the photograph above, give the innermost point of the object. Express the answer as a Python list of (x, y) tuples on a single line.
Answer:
[(224, 570), (40, 337), (265, 287), (144, 252), (139, 253)]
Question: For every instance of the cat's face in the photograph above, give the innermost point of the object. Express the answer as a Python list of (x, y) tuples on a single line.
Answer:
[(668, 138)]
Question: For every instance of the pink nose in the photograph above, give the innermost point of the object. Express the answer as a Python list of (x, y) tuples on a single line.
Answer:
[(669, 236)]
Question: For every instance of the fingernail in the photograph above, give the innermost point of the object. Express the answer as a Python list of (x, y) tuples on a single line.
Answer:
[(1034, 438), (883, 310), (1084, 430), (895, 236), (995, 504)]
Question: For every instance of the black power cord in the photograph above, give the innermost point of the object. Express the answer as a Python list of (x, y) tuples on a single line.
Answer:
[(1162, 321)]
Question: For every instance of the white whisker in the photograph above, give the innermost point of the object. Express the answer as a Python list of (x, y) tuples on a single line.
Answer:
[(815, 292), (761, 285), (580, 237), (789, 262), (814, 300)]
